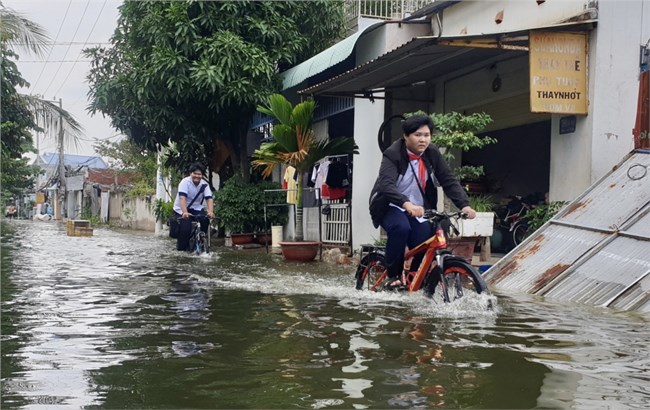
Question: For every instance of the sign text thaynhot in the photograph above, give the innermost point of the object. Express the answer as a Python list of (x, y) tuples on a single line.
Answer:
[(558, 72)]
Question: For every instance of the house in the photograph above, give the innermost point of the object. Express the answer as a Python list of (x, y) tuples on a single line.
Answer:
[(103, 191), (49, 163), (76, 169), (559, 78), (96, 190)]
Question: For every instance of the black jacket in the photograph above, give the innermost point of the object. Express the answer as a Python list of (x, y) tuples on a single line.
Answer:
[(394, 163)]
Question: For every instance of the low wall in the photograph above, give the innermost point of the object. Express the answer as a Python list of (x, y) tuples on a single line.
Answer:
[(134, 213)]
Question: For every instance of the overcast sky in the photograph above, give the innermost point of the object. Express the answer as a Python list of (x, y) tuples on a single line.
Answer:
[(72, 25)]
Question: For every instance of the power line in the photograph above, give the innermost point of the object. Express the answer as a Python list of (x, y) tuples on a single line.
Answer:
[(55, 61), (50, 52), (100, 139), (68, 49), (67, 43), (86, 42)]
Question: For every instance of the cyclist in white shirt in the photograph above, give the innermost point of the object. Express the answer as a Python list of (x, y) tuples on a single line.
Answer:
[(192, 191)]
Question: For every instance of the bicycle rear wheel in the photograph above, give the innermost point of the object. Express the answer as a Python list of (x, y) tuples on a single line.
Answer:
[(371, 271), (458, 280), (519, 233)]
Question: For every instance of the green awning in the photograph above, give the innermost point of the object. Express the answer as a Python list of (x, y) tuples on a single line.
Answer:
[(323, 60)]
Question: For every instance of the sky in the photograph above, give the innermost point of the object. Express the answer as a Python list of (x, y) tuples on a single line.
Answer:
[(72, 25)]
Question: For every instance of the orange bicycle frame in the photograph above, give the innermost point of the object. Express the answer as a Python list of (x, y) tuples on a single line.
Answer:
[(437, 241)]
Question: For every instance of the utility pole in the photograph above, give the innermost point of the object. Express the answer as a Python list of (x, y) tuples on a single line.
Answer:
[(161, 192), (62, 186), (160, 189)]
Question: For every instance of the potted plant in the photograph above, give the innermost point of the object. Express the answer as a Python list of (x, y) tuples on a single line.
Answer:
[(483, 224), (295, 144)]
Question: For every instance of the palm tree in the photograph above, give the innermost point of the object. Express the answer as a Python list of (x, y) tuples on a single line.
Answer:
[(295, 144), (17, 31)]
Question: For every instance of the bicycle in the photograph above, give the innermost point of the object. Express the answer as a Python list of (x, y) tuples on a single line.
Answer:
[(510, 219), (199, 241), (440, 271)]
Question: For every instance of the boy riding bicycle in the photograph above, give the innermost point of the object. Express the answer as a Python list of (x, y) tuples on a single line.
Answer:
[(192, 191), (405, 187)]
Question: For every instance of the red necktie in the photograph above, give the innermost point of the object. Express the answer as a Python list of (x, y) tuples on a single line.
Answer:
[(422, 169)]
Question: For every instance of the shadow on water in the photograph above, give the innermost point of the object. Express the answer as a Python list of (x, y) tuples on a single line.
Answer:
[(119, 320)]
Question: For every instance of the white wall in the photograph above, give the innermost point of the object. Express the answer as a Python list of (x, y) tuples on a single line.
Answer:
[(321, 130), (368, 117), (604, 136), (478, 17), (615, 75), (570, 160)]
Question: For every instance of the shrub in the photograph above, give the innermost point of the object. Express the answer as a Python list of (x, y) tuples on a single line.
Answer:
[(539, 215), (239, 206), (163, 210)]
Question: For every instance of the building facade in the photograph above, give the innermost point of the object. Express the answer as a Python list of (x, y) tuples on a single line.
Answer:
[(478, 56)]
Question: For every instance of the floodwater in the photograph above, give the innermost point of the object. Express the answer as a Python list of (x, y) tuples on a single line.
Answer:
[(121, 320)]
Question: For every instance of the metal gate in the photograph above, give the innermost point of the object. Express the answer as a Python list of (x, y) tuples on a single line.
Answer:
[(336, 227)]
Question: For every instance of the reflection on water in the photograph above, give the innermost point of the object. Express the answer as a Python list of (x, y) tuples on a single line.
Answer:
[(120, 320)]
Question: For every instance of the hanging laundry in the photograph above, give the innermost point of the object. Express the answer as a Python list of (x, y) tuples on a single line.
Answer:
[(338, 175), (318, 176), (290, 177)]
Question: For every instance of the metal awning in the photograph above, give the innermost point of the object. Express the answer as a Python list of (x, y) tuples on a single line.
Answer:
[(418, 60), (323, 60), (425, 58)]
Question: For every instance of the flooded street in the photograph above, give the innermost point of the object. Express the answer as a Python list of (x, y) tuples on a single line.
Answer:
[(122, 320)]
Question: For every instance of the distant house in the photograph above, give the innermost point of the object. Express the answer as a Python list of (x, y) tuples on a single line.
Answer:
[(100, 185), (76, 170), (49, 163), (94, 189)]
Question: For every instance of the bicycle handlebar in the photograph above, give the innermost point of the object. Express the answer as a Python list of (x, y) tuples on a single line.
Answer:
[(432, 214), (191, 217), (197, 218)]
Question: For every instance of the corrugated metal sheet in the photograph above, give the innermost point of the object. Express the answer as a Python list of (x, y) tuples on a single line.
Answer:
[(641, 227), (606, 275), (543, 258), (611, 202), (635, 298), (596, 251)]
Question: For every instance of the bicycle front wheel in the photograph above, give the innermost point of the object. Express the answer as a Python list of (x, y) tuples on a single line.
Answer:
[(458, 279), (371, 271), (203, 248), (192, 247)]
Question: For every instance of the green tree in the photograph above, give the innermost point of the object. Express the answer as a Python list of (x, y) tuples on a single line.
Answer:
[(459, 132), (192, 72), (16, 118)]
